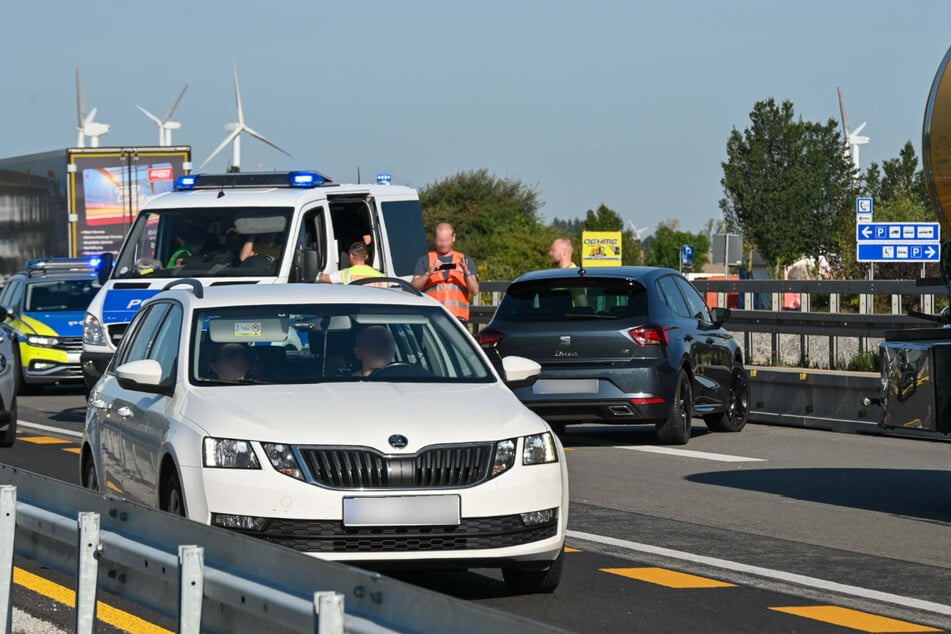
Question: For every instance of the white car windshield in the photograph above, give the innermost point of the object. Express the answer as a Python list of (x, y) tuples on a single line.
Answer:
[(331, 343)]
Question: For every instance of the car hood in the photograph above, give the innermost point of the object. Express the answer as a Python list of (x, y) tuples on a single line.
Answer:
[(362, 413)]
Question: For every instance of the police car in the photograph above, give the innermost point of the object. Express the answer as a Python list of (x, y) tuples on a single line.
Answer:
[(8, 396), (45, 305), (346, 422)]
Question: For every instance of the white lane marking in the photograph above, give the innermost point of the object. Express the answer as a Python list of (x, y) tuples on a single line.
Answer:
[(49, 428), (687, 453), (768, 573)]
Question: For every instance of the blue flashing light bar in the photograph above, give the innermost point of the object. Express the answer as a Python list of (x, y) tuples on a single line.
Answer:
[(384, 178), (185, 182), (306, 179)]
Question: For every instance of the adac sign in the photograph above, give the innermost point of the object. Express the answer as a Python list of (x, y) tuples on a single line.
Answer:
[(601, 248)]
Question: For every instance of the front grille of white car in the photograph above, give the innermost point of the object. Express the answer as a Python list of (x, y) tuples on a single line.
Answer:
[(478, 533), (364, 468)]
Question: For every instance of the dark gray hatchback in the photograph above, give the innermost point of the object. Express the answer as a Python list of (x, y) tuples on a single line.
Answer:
[(622, 345)]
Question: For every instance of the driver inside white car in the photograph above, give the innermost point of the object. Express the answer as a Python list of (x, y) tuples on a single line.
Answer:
[(374, 349), (231, 362)]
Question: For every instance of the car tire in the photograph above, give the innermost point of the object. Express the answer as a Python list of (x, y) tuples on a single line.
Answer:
[(22, 387), (535, 581), (90, 477), (738, 408), (173, 498), (9, 437), (676, 429)]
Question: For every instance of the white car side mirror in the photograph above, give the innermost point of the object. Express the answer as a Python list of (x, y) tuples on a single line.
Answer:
[(144, 373), (519, 369)]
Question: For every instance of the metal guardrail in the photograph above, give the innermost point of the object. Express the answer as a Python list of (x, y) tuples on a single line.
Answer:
[(219, 581)]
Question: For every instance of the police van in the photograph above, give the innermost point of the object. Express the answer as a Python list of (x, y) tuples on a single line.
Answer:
[(248, 228)]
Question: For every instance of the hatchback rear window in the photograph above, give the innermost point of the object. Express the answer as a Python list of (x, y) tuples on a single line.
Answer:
[(563, 300)]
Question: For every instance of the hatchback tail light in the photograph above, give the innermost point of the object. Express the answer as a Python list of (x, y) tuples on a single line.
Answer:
[(649, 335), (489, 338)]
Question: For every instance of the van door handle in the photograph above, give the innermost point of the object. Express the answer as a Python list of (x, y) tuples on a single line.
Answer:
[(124, 412)]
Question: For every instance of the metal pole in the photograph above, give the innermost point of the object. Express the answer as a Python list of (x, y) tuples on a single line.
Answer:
[(191, 588), (87, 573), (8, 526), (329, 608)]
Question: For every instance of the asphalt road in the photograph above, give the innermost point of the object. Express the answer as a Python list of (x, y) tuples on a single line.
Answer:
[(769, 530)]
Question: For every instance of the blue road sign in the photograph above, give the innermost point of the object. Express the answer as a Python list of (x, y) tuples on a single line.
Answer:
[(864, 206), (899, 252), (686, 255), (897, 232)]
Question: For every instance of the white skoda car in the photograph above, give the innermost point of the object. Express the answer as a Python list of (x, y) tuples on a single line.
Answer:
[(346, 422)]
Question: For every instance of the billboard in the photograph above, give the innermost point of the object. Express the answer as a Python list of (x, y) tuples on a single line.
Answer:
[(110, 185), (600, 248)]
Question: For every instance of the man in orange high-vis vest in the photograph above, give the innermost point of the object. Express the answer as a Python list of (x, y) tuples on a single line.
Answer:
[(446, 275), (358, 269)]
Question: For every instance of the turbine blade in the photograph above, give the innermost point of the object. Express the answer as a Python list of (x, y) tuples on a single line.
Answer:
[(149, 115), (237, 94), (80, 102), (90, 117), (224, 143), (171, 111), (858, 129), (259, 137), (845, 117)]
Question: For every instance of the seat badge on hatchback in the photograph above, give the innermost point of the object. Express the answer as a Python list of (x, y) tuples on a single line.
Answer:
[(565, 340), (398, 441)]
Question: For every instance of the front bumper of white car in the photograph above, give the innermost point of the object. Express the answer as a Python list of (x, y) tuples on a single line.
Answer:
[(516, 518)]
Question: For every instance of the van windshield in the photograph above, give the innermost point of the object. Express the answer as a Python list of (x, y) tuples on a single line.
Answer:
[(205, 242)]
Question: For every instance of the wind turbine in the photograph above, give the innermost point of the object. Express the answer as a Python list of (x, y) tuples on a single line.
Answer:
[(637, 232), (88, 126), (164, 125), (852, 138), (236, 129)]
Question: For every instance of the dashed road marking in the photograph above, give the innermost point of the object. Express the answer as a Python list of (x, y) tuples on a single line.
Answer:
[(49, 428), (767, 573), (105, 613), (569, 549), (668, 578), (44, 440), (854, 619), (687, 453), (75, 450)]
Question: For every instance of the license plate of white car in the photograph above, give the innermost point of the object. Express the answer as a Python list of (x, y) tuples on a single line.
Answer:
[(408, 510), (565, 386)]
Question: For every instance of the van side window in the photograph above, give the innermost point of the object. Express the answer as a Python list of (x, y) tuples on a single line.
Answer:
[(313, 235), (351, 221)]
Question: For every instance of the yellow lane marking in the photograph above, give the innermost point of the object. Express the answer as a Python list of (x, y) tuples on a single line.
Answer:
[(569, 549), (854, 619), (72, 449), (569, 448), (668, 578), (45, 440), (105, 613)]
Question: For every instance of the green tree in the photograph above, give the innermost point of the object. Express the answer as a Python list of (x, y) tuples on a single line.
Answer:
[(496, 221), (667, 242), (606, 219), (787, 184)]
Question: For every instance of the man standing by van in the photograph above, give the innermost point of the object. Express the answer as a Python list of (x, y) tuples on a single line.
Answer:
[(357, 270), (446, 275), (560, 253)]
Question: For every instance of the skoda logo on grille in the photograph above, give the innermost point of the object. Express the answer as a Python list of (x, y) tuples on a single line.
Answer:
[(398, 441)]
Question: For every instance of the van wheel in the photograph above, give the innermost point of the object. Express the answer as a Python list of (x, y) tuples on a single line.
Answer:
[(173, 499), (9, 437), (676, 429), (738, 407), (535, 581)]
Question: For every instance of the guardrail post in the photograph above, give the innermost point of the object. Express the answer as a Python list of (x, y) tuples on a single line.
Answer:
[(8, 527), (329, 617), (87, 573), (191, 588)]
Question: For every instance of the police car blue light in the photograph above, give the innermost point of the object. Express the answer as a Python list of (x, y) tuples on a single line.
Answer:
[(185, 182), (384, 178), (305, 179)]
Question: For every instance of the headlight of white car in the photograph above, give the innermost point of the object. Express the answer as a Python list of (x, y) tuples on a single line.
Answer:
[(226, 453), (93, 333), (539, 449), (42, 341), (283, 460), (504, 457)]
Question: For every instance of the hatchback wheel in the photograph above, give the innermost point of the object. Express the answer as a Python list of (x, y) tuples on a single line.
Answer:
[(173, 500), (676, 429), (738, 407), (535, 581), (90, 479)]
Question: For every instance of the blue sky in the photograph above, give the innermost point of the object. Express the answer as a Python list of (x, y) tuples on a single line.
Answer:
[(623, 103)]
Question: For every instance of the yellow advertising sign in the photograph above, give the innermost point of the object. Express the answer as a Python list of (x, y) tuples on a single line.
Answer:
[(601, 248)]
